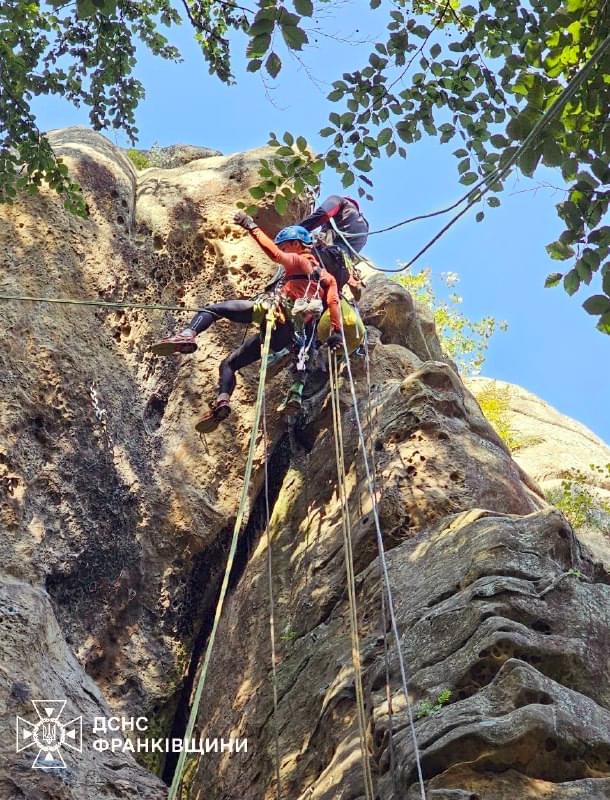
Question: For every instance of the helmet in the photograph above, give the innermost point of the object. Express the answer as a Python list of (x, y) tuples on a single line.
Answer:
[(294, 233)]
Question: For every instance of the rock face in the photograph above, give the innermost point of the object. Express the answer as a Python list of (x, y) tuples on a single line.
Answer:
[(116, 517), (177, 155)]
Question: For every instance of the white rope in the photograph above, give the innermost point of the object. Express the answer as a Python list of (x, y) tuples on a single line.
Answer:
[(349, 566), (384, 569)]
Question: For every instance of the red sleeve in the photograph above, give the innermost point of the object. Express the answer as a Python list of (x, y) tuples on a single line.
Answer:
[(292, 262), (329, 284)]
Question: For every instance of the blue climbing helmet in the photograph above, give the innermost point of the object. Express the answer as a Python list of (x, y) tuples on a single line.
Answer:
[(294, 233)]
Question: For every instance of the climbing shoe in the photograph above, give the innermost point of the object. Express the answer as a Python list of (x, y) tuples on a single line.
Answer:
[(219, 412), (174, 344)]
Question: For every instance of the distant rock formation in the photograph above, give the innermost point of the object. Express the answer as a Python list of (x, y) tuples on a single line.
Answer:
[(552, 448)]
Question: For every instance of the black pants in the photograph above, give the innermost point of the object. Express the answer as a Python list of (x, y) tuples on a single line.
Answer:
[(240, 311)]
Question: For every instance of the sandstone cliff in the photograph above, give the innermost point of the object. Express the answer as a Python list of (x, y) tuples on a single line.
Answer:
[(116, 516)]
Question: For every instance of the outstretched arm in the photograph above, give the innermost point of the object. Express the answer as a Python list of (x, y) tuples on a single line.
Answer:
[(292, 262), (329, 208)]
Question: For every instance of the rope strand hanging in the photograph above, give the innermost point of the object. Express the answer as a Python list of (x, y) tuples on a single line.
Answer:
[(351, 580), (177, 779), (384, 570)]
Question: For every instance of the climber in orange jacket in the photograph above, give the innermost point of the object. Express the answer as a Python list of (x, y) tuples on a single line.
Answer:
[(304, 279)]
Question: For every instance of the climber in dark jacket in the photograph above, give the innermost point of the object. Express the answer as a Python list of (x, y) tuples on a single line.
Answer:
[(347, 217)]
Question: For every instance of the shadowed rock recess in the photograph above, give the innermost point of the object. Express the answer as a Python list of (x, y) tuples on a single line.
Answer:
[(115, 522)]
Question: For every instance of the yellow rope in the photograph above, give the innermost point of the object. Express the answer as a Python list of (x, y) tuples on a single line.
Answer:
[(351, 580), (274, 681), (173, 791)]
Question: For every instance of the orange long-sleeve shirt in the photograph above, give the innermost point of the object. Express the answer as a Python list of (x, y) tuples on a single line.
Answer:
[(299, 264)]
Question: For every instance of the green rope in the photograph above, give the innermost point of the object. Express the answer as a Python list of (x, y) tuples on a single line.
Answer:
[(173, 791), (102, 304)]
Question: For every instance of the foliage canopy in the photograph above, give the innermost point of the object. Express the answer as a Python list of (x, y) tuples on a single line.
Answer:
[(463, 340), (481, 76)]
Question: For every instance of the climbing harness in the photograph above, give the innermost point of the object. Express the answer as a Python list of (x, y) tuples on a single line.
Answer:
[(177, 779), (384, 570), (349, 565)]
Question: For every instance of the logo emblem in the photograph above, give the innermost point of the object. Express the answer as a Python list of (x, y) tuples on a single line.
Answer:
[(49, 734)]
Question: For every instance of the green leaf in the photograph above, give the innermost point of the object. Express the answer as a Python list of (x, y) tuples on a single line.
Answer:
[(435, 50), (85, 9), (597, 304), (552, 153), (258, 46), (257, 192), (552, 279), (480, 216), (529, 160), (604, 323), (327, 132), (584, 272), (499, 141), (254, 65), (348, 179), (571, 282), (469, 178), (601, 170), (494, 202), (420, 31), (384, 137), (302, 144), (273, 65), (288, 138), (261, 26), (404, 130), (606, 283), (559, 251), (294, 37), (304, 7), (281, 204)]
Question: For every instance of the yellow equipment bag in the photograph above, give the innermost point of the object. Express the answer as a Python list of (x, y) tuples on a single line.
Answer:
[(353, 326)]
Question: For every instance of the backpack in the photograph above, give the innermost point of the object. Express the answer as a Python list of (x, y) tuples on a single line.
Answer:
[(337, 262)]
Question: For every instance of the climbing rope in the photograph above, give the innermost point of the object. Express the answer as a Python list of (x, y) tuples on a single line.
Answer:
[(384, 569), (351, 580), (274, 681), (73, 301), (384, 613), (484, 185), (177, 779)]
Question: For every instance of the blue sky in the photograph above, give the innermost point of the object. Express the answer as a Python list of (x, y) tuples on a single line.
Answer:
[(551, 347)]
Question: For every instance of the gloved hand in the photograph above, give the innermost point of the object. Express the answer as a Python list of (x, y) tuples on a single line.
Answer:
[(335, 340), (316, 274), (245, 221)]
